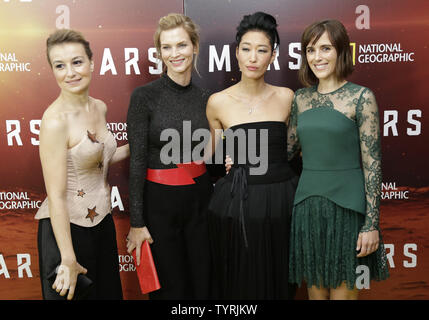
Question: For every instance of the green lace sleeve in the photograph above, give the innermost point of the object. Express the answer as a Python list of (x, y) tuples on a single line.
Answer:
[(293, 145), (369, 134)]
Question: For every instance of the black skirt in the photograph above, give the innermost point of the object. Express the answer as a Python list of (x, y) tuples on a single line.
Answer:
[(95, 249), (249, 222)]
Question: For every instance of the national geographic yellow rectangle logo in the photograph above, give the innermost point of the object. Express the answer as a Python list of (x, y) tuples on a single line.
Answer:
[(353, 45)]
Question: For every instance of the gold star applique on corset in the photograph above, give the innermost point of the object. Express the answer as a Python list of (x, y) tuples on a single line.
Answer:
[(80, 193), (92, 214), (92, 137)]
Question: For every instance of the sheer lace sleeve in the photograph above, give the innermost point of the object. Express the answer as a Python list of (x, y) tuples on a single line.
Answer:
[(137, 129), (293, 145), (369, 135)]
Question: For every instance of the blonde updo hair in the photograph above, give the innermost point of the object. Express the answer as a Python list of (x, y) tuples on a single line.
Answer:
[(175, 20)]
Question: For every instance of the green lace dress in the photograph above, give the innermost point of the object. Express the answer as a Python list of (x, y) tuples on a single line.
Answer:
[(338, 193)]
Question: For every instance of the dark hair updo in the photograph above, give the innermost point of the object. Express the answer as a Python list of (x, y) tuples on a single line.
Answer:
[(259, 21)]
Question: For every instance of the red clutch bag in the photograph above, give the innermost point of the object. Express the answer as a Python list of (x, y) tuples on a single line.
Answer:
[(146, 271)]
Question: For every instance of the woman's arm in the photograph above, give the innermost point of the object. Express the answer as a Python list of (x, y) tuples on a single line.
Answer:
[(138, 139), (53, 156), (138, 132), (120, 154), (293, 145), (215, 125), (369, 135)]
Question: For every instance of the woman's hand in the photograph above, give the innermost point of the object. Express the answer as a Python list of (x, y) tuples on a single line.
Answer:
[(367, 243), (228, 163), (67, 277), (135, 238)]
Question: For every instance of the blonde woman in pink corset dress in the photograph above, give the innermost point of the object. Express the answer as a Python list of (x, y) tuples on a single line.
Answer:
[(76, 230)]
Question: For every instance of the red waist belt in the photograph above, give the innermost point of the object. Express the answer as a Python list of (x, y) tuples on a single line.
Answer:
[(180, 176)]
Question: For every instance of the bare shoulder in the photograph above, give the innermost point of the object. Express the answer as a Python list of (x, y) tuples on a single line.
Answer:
[(99, 104), (53, 132), (54, 120), (284, 95), (218, 100), (219, 97), (283, 92)]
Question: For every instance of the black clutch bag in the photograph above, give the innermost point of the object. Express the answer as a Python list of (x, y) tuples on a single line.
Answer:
[(83, 284)]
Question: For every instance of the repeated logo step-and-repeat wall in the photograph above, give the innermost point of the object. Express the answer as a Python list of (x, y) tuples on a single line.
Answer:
[(121, 38), (389, 42), (390, 48)]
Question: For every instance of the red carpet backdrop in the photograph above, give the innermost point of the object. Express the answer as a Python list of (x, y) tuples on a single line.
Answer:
[(120, 33), (390, 46)]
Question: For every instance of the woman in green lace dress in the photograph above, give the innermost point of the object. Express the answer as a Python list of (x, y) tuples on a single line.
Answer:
[(336, 246)]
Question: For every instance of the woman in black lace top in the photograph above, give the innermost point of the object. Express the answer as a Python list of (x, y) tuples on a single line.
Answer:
[(168, 192)]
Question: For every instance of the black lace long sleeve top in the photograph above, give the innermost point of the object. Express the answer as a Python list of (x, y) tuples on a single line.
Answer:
[(157, 106)]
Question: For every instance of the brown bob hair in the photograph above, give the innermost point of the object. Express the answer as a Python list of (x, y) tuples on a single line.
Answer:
[(340, 40), (67, 36)]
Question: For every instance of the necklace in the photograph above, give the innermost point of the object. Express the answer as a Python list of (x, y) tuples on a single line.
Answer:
[(252, 109), (259, 100), (253, 103)]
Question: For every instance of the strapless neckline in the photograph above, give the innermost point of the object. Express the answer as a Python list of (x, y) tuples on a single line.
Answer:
[(86, 137), (257, 123)]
